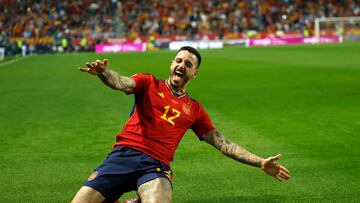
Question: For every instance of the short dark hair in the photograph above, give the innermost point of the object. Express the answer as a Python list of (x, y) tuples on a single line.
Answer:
[(193, 51)]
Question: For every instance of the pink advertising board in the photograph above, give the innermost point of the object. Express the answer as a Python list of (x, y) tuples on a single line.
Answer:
[(124, 47), (290, 40)]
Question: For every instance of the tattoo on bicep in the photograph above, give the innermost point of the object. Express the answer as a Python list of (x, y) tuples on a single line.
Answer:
[(232, 150)]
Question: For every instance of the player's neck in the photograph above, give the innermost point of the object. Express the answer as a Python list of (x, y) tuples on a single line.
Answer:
[(177, 90)]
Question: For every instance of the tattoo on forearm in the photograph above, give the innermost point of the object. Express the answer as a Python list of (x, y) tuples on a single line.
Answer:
[(232, 150), (114, 80)]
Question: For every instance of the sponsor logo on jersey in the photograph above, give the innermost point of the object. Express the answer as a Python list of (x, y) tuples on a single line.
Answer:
[(161, 95)]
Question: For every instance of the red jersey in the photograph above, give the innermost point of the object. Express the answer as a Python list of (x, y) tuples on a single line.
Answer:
[(160, 119)]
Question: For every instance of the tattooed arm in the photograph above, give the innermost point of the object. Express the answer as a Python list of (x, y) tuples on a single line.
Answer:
[(232, 150), (116, 81), (109, 77)]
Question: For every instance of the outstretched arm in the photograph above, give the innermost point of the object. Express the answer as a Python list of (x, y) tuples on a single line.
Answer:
[(109, 77), (234, 151)]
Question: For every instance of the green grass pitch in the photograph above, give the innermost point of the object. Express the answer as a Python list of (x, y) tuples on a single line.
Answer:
[(57, 123)]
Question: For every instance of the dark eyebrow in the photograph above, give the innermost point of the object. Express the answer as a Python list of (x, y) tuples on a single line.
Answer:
[(186, 61)]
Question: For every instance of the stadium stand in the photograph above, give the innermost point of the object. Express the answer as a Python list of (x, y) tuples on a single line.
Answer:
[(51, 26)]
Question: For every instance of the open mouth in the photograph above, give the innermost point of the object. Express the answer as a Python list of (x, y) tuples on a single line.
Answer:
[(179, 74)]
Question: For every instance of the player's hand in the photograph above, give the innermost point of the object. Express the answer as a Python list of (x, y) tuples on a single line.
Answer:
[(95, 68), (274, 169)]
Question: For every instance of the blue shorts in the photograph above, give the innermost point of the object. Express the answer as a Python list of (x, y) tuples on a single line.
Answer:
[(125, 170)]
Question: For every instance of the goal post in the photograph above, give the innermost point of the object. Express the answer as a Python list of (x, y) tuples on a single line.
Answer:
[(348, 28)]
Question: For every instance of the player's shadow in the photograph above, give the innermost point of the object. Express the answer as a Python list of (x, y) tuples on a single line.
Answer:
[(237, 199)]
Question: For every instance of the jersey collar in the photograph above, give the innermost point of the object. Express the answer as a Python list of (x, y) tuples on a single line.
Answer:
[(175, 94)]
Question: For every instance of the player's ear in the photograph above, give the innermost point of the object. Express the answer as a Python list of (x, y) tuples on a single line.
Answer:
[(195, 74)]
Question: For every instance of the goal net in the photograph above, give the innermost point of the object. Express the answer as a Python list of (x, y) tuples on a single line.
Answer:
[(347, 28)]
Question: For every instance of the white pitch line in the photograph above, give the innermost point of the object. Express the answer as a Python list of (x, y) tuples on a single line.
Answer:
[(13, 61)]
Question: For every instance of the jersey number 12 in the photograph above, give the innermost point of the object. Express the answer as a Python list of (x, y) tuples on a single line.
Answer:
[(170, 119)]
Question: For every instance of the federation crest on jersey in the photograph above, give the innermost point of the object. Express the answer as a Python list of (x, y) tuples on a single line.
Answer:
[(187, 108)]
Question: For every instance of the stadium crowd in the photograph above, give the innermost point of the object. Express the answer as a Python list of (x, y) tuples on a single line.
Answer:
[(188, 17), (50, 26), (47, 26)]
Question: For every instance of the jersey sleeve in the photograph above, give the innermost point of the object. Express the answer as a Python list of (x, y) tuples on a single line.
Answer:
[(203, 123), (141, 81)]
